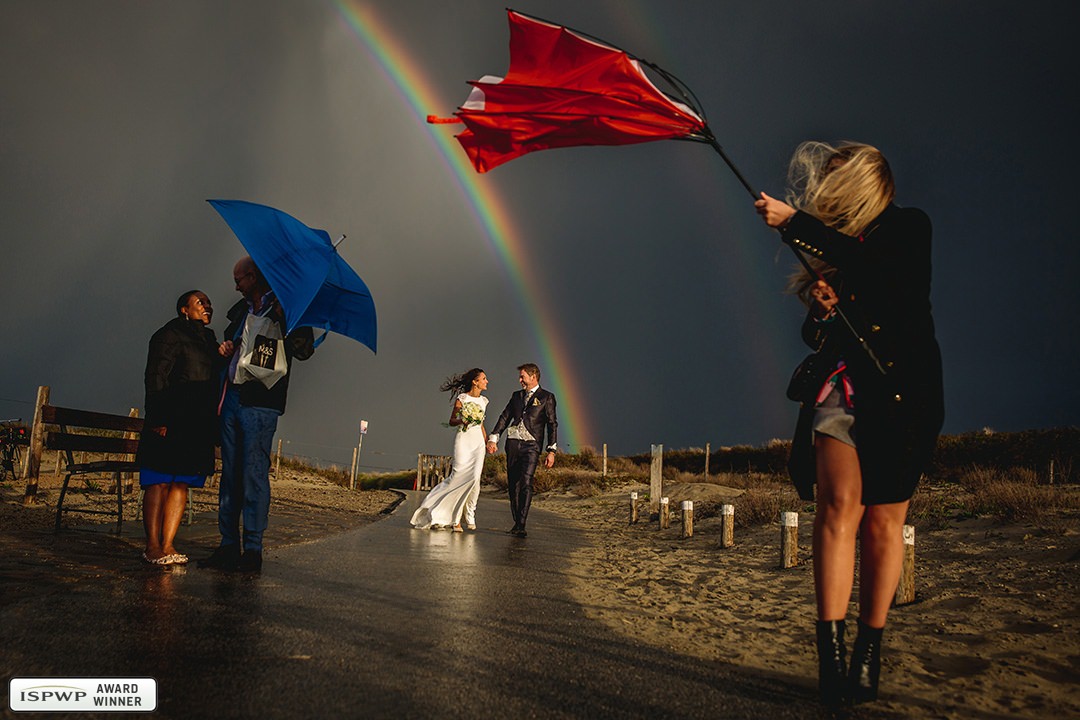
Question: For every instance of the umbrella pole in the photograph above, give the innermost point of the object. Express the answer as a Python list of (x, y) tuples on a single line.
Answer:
[(802, 259), (755, 196)]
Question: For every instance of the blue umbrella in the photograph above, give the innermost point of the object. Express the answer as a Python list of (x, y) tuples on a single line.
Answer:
[(316, 287)]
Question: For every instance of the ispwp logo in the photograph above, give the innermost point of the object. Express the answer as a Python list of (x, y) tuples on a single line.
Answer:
[(82, 694)]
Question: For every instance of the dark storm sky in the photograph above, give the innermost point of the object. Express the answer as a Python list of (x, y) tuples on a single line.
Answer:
[(118, 120)]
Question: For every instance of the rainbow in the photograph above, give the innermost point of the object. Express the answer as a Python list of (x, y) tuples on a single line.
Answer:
[(491, 212)]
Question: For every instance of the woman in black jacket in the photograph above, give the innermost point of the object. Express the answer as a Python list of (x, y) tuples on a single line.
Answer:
[(869, 426), (176, 450)]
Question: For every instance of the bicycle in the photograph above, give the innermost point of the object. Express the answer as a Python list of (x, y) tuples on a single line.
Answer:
[(13, 435)]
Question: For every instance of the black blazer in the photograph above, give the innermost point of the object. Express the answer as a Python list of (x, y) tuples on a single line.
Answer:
[(182, 390), (885, 291), (539, 417)]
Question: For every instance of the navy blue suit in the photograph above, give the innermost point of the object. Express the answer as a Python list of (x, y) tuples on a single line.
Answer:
[(523, 456)]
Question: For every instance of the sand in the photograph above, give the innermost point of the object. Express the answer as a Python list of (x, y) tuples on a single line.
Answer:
[(994, 630)]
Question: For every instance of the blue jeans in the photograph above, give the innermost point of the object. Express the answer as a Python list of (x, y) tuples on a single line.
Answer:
[(247, 435)]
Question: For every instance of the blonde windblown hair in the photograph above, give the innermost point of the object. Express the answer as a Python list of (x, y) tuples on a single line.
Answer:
[(845, 187)]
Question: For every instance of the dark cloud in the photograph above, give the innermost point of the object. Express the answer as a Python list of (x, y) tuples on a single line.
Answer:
[(118, 119)]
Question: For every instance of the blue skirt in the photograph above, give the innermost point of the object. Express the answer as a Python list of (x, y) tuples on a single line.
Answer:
[(149, 477)]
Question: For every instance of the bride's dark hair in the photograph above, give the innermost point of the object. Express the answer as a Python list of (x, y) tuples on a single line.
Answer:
[(462, 382)]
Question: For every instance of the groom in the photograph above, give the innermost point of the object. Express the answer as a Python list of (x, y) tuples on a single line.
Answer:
[(529, 414)]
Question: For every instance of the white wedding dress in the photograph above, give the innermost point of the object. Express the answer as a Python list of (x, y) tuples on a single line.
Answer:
[(458, 493)]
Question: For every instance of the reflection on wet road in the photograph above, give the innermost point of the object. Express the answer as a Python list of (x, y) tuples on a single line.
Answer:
[(381, 621)]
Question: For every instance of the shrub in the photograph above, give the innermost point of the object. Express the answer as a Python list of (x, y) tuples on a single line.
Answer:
[(762, 505)]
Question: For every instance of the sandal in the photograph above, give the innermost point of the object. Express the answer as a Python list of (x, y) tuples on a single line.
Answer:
[(457, 528), (163, 560), (178, 559)]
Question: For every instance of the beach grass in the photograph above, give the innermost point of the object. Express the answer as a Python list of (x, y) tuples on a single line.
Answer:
[(1025, 476)]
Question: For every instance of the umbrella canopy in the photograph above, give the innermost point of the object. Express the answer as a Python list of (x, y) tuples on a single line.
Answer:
[(564, 89), (315, 286)]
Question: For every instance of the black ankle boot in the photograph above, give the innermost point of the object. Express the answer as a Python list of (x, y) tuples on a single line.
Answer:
[(832, 673), (865, 665)]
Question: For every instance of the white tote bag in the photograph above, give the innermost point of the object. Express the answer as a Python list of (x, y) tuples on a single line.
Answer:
[(262, 352)]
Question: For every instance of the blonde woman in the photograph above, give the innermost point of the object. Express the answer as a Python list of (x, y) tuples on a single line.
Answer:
[(869, 431)]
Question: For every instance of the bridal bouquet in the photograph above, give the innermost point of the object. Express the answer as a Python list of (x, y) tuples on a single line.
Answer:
[(471, 414)]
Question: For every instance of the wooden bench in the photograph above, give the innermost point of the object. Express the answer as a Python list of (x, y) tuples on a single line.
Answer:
[(82, 431)]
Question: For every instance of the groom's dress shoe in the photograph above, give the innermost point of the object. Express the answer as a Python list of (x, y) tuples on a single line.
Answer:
[(520, 532)]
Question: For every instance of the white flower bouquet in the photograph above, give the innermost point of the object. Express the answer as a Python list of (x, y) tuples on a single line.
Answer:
[(471, 414)]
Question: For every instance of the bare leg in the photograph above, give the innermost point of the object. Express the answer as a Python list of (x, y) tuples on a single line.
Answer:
[(172, 512), (839, 509), (882, 541), (152, 512)]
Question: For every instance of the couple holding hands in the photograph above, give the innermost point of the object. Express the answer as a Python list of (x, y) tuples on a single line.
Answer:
[(527, 418)]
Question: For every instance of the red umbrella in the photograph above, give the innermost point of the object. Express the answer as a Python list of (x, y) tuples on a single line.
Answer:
[(565, 89)]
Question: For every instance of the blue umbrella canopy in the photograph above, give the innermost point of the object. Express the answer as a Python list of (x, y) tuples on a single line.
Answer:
[(315, 286)]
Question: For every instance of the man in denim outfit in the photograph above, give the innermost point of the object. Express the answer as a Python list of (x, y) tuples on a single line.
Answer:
[(249, 415)]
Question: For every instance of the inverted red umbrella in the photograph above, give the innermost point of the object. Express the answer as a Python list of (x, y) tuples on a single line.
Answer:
[(565, 88)]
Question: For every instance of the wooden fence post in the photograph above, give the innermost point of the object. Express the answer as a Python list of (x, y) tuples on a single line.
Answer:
[(419, 470), (656, 476), (277, 463), (32, 466), (129, 485), (605, 461), (789, 539), (905, 591), (727, 526), (633, 508), (707, 453), (665, 516), (687, 518)]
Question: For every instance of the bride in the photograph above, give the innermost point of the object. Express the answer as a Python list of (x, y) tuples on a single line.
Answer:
[(458, 493)]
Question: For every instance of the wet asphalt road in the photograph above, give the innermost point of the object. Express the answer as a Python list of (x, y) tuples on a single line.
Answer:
[(381, 622)]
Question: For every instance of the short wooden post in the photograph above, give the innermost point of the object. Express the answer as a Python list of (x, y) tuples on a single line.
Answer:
[(1051, 471), (789, 539), (633, 508), (727, 526), (665, 516), (687, 518), (656, 476), (707, 453), (32, 466), (419, 470), (352, 471), (605, 461), (905, 591), (277, 463)]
